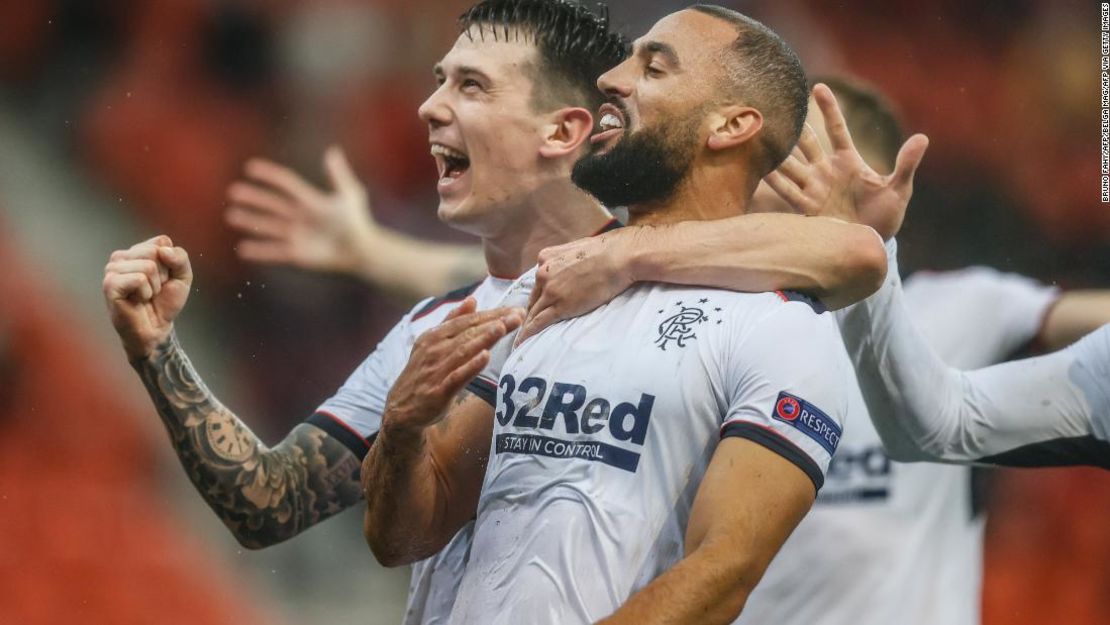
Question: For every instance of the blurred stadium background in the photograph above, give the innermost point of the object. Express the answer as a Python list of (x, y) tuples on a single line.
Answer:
[(121, 119)]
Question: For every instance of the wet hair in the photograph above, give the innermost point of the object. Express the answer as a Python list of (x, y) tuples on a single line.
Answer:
[(574, 45), (871, 119), (762, 71)]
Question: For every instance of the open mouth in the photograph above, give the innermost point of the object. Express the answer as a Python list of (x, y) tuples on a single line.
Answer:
[(610, 124), (451, 162)]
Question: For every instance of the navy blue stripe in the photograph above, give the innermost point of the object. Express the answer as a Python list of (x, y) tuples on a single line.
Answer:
[(853, 496), (359, 446), (454, 296), (797, 296), (592, 451), (1059, 452), (483, 389), (779, 445)]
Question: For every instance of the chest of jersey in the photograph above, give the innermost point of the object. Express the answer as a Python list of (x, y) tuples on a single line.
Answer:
[(626, 394)]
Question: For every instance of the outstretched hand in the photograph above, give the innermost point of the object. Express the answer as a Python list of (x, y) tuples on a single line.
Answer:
[(839, 183), (285, 220)]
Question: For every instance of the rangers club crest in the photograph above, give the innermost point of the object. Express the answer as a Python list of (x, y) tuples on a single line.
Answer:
[(679, 327)]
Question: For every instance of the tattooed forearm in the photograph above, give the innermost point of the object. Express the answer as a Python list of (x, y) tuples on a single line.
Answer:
[(263, 495)]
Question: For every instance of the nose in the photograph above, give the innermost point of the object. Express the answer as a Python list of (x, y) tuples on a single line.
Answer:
[(616, 82), (434, 111)]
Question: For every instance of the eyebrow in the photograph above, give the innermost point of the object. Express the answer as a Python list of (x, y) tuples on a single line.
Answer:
[(462, 70), (666, 50)]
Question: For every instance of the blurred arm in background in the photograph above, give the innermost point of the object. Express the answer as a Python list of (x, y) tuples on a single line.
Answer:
[(264, 495), (285, 220), (1073, 316), (1047, 411)]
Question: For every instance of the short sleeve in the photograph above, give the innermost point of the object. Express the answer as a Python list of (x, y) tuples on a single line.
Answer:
[(354, 414), (788, 387), (978, 316), (485, 385)]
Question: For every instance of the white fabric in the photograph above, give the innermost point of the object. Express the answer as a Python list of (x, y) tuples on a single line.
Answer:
[(926, 410), (604, 426), (888, 542), (359, 403)]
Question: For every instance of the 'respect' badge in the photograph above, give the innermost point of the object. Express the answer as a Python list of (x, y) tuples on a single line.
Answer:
[(808, 419)]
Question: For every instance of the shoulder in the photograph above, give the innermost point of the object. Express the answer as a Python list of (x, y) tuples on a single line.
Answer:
[(760, 308), (970, 281)]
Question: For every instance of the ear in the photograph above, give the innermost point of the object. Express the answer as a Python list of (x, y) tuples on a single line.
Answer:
[(734, 126), (566, 131)]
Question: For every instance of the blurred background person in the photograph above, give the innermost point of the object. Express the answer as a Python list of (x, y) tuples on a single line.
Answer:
[(122, 119)]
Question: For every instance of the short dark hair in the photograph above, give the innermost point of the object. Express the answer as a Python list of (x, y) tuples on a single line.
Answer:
[(871, 118), (763, 71), (575, 46)]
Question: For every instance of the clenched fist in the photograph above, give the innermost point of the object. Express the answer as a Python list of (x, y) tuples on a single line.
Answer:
[(145, 287)]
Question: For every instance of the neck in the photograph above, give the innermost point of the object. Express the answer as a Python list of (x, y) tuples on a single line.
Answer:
[(556, 214), (715, 190)]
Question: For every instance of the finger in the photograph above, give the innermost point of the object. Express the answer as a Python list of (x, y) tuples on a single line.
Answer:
[(465, 308), (809, 145), (283, 179), (265, 252), (536, 324), (909, 158), (538, 302), (155, 273), (835, 126), (159, 240), (256, 224), (796, 171), (260, 199), (786, 189), (548, 254), (482, 337), (537, 290), (177, 262), (456, 326), (128, 286), (462, 375), (146, 250), (338, 169)]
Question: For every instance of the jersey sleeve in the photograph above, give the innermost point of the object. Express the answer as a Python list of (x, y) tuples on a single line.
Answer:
[(353, 415), (485, 385), (978, 316), (785, 387), (1042, 411)]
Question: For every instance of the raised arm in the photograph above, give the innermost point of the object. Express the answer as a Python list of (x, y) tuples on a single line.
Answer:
[(838, 262), (1042, 411), (264, 495), (749, 502), (424, 471), (286, 220)]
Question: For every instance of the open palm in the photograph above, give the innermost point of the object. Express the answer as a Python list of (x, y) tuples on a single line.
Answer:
[(838, 182)]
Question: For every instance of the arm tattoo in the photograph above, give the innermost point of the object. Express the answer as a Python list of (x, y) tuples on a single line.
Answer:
[(263, 495)]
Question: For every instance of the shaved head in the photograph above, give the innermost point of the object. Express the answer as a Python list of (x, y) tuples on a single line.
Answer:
[(760, 70)]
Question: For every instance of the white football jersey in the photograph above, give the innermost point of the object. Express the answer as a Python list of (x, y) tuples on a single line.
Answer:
[(354, 415), (889, 542), (604, 426)]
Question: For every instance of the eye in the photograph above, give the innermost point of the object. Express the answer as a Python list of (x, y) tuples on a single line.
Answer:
[(469, 84), (653, 71)]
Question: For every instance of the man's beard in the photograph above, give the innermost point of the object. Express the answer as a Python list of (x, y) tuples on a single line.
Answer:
[(645, 166)]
